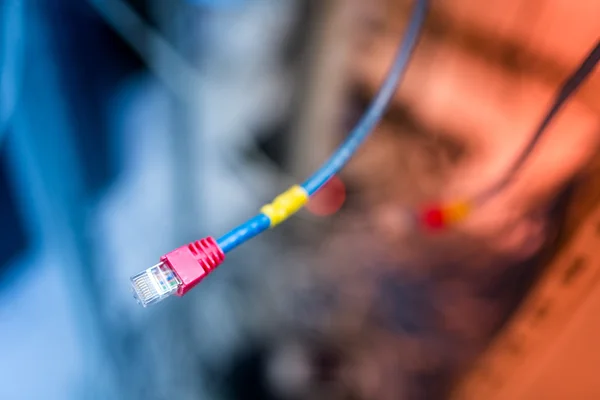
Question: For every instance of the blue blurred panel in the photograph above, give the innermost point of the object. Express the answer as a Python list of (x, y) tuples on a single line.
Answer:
[(12, 239), (219, 4), (47, 306), (12, 34), (42, 355), (92, 62)]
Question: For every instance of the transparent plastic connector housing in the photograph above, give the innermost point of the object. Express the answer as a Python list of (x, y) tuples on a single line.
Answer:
[(154, 284)]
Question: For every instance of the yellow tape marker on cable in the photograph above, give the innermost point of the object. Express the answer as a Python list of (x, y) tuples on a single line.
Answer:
[(285, 205)]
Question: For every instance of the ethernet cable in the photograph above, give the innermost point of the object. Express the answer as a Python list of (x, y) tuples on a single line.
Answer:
[(182, 269)]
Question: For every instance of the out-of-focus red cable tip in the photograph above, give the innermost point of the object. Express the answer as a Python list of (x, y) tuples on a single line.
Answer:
[(433, 218)]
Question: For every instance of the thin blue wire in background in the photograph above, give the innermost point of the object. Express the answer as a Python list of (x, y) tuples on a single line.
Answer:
[(568, 89)]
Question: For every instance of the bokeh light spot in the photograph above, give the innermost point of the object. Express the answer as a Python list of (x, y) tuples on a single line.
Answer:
[(329, 199)]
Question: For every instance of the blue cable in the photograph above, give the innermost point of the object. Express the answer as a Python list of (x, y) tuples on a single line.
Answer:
[(377, 108), (365, 126), (244, 232)]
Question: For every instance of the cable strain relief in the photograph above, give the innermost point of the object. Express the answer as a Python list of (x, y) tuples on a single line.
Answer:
[(194, 262), (208, 253)]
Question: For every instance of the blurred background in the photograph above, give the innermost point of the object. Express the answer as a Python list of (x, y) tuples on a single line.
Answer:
[(129, 127)]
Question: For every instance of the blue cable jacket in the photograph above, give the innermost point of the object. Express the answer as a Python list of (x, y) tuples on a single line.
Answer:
[(336, 162), (244, 232), (377, 108)]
